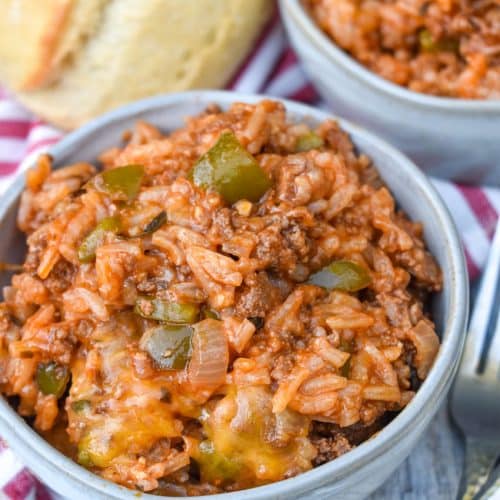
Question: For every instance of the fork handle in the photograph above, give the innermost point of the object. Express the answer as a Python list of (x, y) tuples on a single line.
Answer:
[(492, 486), (480, 457)]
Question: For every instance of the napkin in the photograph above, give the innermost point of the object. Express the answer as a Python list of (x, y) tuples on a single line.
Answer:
[(273, 69)]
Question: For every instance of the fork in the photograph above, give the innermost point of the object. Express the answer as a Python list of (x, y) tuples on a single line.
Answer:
[(475, 397)]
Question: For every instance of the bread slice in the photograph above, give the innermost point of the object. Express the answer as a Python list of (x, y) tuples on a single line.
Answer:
[(38, 36), (80, 58)]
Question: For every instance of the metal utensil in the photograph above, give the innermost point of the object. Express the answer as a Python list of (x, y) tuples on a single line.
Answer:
[(475, 398), (491, 489)]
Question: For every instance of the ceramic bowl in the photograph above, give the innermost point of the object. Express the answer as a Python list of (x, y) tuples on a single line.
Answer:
[(457, 139), (351, 476)]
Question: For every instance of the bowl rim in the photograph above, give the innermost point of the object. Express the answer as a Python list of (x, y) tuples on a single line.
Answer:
[(20, 435), (297, 14)]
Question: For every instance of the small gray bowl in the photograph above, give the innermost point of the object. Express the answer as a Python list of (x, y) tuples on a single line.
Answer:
[(351, 476), (457, 139)]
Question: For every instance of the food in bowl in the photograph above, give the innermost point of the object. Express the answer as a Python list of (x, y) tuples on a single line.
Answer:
[(221, 307), (441, 47)]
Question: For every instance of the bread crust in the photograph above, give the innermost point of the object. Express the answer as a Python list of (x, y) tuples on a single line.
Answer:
[(43, 66), (29, 34), (99, 54)]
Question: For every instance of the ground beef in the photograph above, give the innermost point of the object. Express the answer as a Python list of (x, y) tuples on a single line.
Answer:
[(221, 224), (257, 296), (330, 448), (61, 277), (331, 441), (422, 266)]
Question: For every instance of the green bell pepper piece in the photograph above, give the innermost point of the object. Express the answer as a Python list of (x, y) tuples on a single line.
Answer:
[(123, 182), (169, 312), (52, 378), (308, 141), (89, 246), (156, 223), (81, 406), (168, 345), (342, 275), (429, 44), (84, 459), (346, 346), (209, 313), (231, 170), (214, 466)]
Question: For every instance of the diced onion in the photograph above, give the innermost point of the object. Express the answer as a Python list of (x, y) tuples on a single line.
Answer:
[(210, 355), (426, 343)]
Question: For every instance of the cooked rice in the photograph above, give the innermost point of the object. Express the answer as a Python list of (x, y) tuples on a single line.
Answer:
[(442, 47), (303, 368)]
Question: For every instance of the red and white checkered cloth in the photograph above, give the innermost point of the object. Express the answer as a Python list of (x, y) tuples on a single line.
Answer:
[(273, 69)]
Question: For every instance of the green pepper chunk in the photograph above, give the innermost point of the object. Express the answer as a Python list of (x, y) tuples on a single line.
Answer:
[(308, 141), (346, 368), (346, 346), (429, 44), (123, 182), (209, 313), (156, 223), (81, 406), (231, 170), (52, 378), (342, 275), (84, 459), (169, 312), (215, 467), (89, 246), (168, 345)]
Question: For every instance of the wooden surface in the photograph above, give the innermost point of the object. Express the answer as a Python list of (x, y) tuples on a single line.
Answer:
[(433, 469)]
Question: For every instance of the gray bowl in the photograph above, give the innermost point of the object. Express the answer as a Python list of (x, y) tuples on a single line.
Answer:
[(453, 138), (353, 475)]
